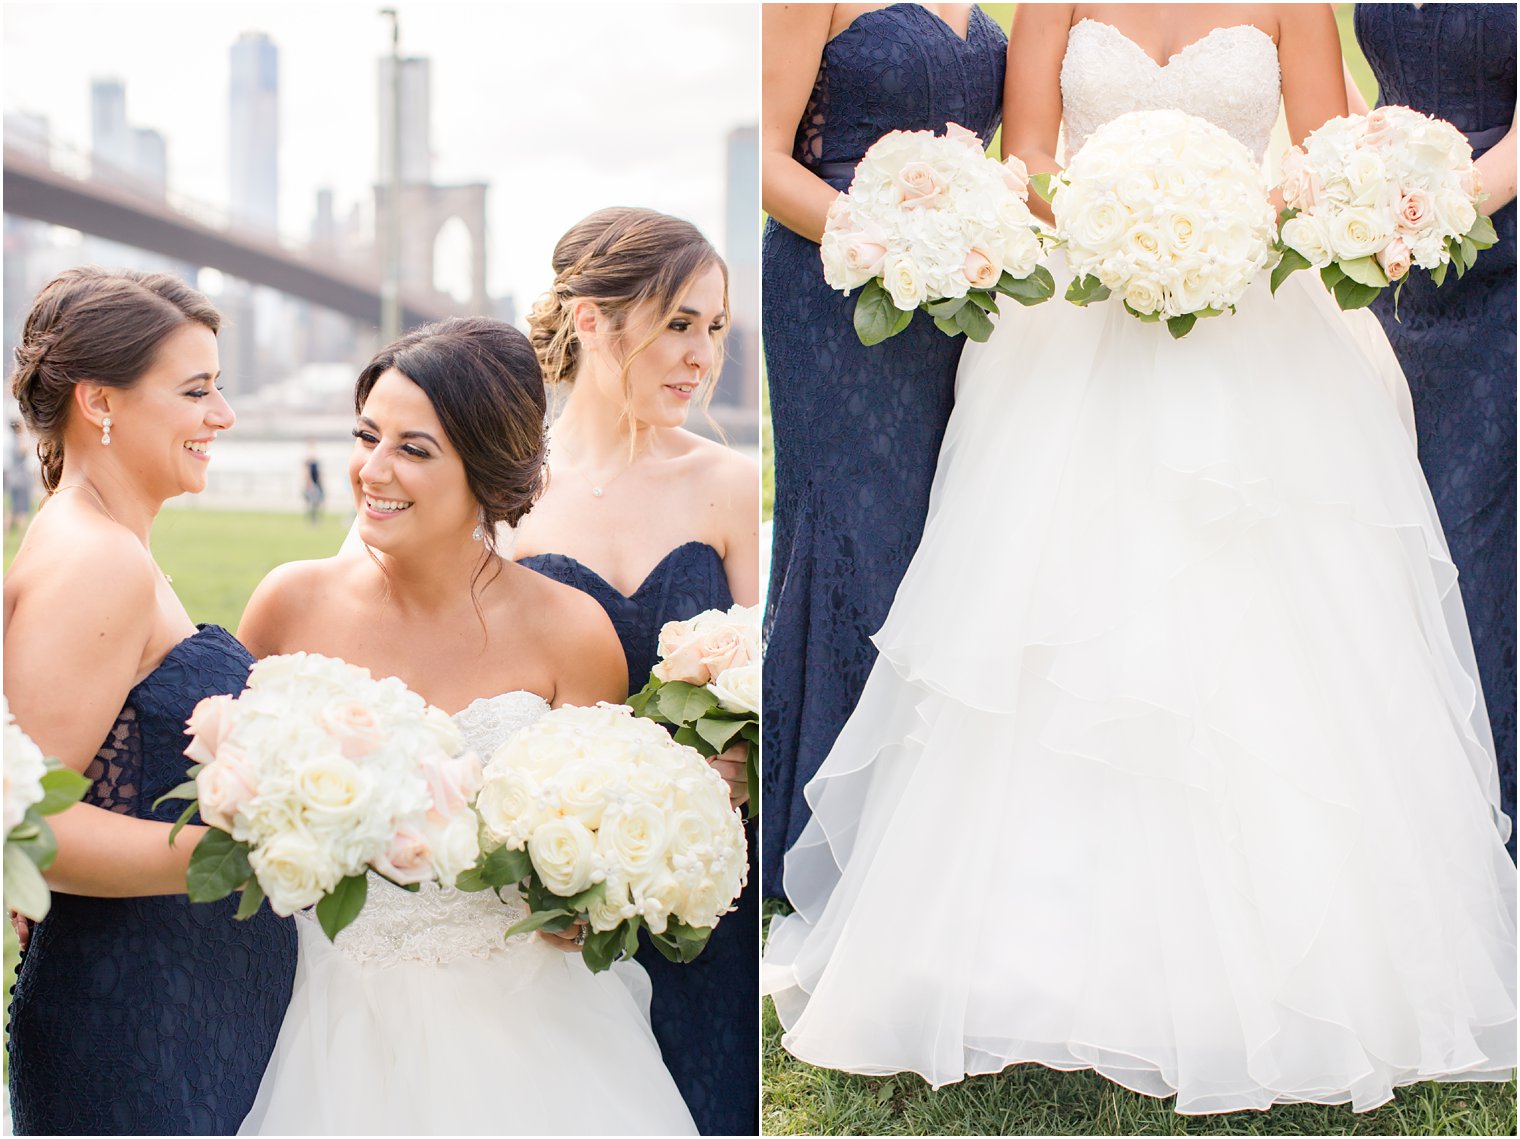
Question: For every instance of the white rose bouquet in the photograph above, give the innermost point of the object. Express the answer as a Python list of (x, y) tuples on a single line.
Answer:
[(707, 685), (34, 787), (593, 811), (931, 222), (1165, 210), (1370, 196), (317, 773)]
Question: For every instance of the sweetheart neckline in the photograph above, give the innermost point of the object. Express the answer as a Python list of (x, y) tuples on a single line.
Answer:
[(648, 577), (498, 696), (964, 39), (1179, 53)]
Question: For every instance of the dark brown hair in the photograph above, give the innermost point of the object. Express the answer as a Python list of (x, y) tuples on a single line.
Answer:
[(619, 258), (483, 380), (99, 326)]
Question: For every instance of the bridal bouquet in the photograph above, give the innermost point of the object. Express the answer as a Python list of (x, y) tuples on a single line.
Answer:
[(315, 774), (34, 787), (1166, 210), (707, 684), (593, 811), (930, 221), (1370, 196)]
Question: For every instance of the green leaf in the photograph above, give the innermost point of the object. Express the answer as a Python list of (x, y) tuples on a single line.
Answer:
[(687, 736), (600, 949), (1438, 274), (1482, 233), (1397, 289), (1044, 184), (61, 788), (185, 790), (982, 299), (1469, 252), (1034, 289), (1147, 317), (876, 317), (342, 905), (41, 845), (1331, 274), (253, 898), (752, 780), (947, 307), (583, 900), (680, 942), (1365, 271), (179, 823), (1084, 290), (975, 323), (947, 325), (1292, 261), (639, 701), (218, 866), (719, 733), (552, 920), (1180, 326), (682, 703), (1351, 294), (1288, 214), (25, 890), (630, 930), (504, 867)]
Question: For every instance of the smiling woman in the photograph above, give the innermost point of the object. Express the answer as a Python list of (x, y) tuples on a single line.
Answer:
[(115, 376)]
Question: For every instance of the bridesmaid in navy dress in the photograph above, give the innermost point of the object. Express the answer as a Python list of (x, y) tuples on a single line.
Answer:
[(857, 429), (135, 1012), (658, 524), (1456, 343)]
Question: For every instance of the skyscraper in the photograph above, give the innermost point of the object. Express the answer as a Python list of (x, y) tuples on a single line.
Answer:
[(416, 120), (254, 137), (110, 140), (741, 249)]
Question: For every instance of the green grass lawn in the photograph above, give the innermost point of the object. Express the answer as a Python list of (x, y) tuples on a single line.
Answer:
[(1028, 1099), (217, 557)]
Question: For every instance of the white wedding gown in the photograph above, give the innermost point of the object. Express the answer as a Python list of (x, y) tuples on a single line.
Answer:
[(422, 1020), (1174, 764)]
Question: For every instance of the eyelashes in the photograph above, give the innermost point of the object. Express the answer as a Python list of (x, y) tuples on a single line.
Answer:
[(369, 440)]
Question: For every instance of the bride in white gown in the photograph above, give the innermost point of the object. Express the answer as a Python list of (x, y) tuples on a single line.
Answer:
[(422, 1018), (1174, 764)]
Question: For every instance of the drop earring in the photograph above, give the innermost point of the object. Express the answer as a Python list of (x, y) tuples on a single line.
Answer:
[(105, 431), (479, 532)]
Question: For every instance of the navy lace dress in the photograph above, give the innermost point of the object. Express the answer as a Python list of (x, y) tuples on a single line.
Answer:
[(705, 1014), (857, 429), (1456, 343), (149, 1016)]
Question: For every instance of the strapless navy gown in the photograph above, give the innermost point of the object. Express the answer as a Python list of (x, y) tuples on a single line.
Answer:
[(857, 429), (705, 1014), (149, 1016), (1456, 343)]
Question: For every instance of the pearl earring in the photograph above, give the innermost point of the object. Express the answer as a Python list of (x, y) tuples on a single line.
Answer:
[(105, 431)]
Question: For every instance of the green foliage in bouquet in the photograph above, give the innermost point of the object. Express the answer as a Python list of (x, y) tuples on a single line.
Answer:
[(1357, 283), (31, 846), (550, 912), (701, 722), (877, 318)]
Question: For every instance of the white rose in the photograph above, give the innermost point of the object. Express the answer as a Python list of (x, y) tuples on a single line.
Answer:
[(1306, 234), (509, 807), (455, 846), (582, 790), (293, 870), (562, 851), (904, 281), (1143, 296), (738, 689), (1357, 231), (330, 789), (634, 839), (1455, 213)]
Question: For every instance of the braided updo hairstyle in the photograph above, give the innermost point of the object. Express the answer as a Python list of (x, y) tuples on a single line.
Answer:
[(621, 257), (101, 326), (484, 382)]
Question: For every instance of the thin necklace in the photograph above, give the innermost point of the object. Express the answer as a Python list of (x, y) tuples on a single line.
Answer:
[(89, 490), (597, 489)]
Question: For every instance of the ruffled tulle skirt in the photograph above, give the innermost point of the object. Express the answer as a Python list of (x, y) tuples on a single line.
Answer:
[(525, 1041), (1174, 764)]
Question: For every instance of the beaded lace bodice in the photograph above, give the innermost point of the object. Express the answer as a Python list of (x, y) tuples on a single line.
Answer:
[(435, 925), (1229, 77)]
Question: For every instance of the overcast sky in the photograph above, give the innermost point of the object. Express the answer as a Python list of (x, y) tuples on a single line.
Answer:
[(562, 107)]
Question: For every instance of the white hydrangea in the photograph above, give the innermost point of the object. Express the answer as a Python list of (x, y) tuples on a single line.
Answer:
[(24, 768)]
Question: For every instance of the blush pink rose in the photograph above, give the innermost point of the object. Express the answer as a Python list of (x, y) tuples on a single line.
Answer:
[(918, 186), (1377, 128), (210, 724), (1416, 210), (354, 726), (1394, 258), (682, 660), (408, 859), (982, 269), (864, 252), (841, 213), (1016, 175), (957, 133), (723, 648), (453, 782), (221, 788), (1300, 184)]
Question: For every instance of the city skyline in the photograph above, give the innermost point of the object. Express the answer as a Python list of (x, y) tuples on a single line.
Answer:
[(639, 112)]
